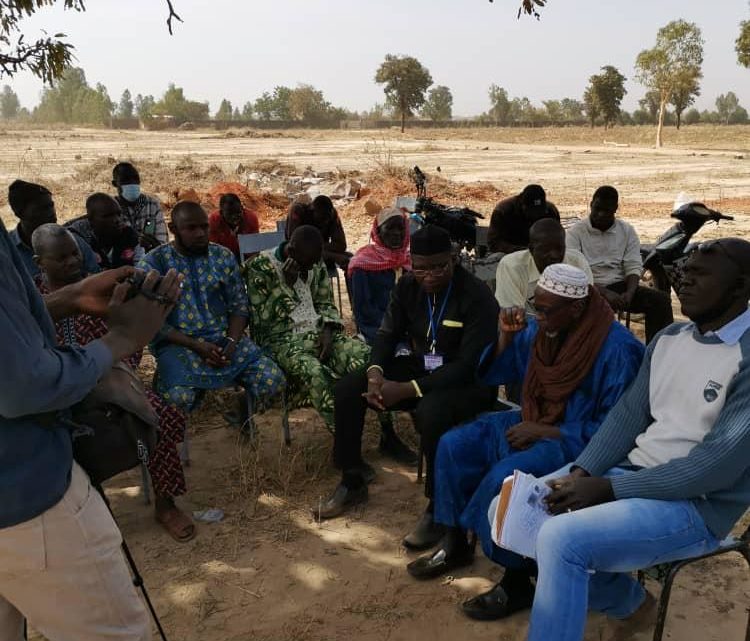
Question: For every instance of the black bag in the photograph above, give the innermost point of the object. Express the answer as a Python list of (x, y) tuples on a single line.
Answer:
[(114, 428)]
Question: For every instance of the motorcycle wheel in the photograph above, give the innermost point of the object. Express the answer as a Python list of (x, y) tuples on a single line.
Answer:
[(656, 277)]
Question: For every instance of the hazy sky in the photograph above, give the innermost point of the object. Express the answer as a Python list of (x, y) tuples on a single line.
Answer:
[(238, 49)]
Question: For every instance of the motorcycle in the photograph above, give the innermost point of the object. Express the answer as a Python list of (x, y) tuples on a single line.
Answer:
[(459, 222), (663, 261)]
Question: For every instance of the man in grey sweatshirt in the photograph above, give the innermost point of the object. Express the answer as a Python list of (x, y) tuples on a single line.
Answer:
[(667, 475)]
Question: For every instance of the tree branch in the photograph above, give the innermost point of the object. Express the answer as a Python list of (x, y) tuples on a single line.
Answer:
[(171, 15)]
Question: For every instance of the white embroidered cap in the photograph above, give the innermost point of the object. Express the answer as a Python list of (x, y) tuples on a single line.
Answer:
[(564, 280)]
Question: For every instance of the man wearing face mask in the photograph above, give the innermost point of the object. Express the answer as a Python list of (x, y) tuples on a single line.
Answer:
[(203, 343), (448, 317), (229, 221), (613, 250), (375, 269), (295, 318), (142, 212)]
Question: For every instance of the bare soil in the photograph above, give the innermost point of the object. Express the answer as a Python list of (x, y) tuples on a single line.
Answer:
[(269, 571)]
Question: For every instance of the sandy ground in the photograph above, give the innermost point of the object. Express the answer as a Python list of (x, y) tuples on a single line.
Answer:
[(269, 571)]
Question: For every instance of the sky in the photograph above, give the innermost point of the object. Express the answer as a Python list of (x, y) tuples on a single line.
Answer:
[(239, 49)]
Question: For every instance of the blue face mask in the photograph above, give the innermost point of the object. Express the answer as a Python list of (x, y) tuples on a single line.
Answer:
[(131, 192)]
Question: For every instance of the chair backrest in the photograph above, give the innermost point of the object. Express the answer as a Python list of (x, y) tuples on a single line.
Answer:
[(256, 243), (281, 225)]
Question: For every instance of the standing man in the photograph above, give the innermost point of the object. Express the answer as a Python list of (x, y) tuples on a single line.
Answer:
[(114, 243), (667, 476), (142, 212), (612, 248), (513, 217), (33, 206), (321, 214), (229, 221), (518, 273), (449, 318), (203, 343), (60, 561)]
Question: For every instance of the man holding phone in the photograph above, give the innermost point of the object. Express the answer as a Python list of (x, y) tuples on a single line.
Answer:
[(203, 343)]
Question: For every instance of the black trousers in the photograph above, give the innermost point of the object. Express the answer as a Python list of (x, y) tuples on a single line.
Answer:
[(434, 414), (655, 304)]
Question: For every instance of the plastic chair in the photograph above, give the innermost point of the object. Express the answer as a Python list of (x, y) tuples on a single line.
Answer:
[(667, 572), (251, 244), (333, 274)]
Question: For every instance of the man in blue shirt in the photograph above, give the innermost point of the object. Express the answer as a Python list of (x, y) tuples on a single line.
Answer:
[(33, 206), (60, 563)]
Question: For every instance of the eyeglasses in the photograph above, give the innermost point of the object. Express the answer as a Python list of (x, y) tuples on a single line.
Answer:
[(546, 312), (432, 269)]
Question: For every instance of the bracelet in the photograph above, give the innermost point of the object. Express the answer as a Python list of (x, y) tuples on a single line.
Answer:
[(230, 339), (377, 367), (416, 388)]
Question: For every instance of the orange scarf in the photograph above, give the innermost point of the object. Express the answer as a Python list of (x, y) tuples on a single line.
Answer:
[(546, 388)]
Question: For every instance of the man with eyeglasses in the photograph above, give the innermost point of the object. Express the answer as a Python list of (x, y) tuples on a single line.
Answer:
[(575, 361), (667, 475), (448, 318)]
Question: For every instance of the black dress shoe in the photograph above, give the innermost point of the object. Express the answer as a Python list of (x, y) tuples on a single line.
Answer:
[(427, 534), (497, 603), (366, 471), (440, 562), (394, 448), (340, 501)]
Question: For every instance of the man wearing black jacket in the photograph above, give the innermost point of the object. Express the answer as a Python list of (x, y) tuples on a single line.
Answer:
[(447, 317)]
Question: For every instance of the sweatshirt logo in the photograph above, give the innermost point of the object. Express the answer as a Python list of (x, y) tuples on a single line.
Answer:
[(711, 391)]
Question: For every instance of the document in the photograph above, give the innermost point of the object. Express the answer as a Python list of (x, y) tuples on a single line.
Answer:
[(518, 513)]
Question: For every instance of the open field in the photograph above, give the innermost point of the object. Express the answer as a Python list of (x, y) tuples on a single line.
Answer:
[(269, 571)]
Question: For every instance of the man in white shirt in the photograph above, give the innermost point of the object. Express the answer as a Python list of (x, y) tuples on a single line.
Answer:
[(518, 273), (612, 248)]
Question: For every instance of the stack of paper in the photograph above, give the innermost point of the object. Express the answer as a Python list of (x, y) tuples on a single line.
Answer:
[(518, 513)]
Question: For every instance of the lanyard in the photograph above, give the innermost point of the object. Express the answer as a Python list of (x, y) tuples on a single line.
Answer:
[(434, 324)]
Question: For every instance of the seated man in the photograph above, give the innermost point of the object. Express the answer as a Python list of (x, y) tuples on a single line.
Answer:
[(448, 317), (114, 243), (518, 273), (667, 476), (59, 260), (575, 362), (229, 221), (203, 344), (321, 214), (613, 250), (143, 213), (33, 206), (513, 217), (375, 269), (294, 317)]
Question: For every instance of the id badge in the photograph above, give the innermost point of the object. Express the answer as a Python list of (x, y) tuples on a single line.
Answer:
[(433, 362)]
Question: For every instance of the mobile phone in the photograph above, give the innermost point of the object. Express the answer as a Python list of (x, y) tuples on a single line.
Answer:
[(136, 283), (150, 227)]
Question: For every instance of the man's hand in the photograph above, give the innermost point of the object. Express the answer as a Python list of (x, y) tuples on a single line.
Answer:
[(525, 434), (616, 301), (133, 323), (291, 271), (211, 353), (512, 320), (148, 241), (575, 492), (373, 395), (230, 347), (393, 393), (93, 294), (627, 299), (325, 343)]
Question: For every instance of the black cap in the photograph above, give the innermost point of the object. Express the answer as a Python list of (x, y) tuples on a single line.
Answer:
[(534, 198), (430, 240), (21, 193)]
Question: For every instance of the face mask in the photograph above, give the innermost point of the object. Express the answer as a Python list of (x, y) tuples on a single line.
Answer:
[(131, 192)]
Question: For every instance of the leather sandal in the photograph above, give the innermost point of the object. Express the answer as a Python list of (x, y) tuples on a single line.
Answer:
[(439, 563), (178, 524)]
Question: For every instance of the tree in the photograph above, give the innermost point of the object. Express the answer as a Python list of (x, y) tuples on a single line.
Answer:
[(126, 106), (173, 103), (742, 44), (247, 111), (47, 57), (572, 109), (650, 104), (726, 106), (692, 117), (591, 105), (225, 111), (71, 100), (406, 82), (273, 106), (683, 96), (605, 93), (439, 104), (144, 106), (307, 104), (739, 117), (675, 61), (500, 105), (522, 111), (9, 103), (554, 111), (236, 114)]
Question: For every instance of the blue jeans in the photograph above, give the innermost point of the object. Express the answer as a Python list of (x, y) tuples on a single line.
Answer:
[(584, 558)]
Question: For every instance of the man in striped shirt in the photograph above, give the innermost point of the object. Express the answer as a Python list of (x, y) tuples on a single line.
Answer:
[(667, 475), (142, 212)]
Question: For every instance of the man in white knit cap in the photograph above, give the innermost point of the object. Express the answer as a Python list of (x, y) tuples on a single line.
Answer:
[(575, 361)]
